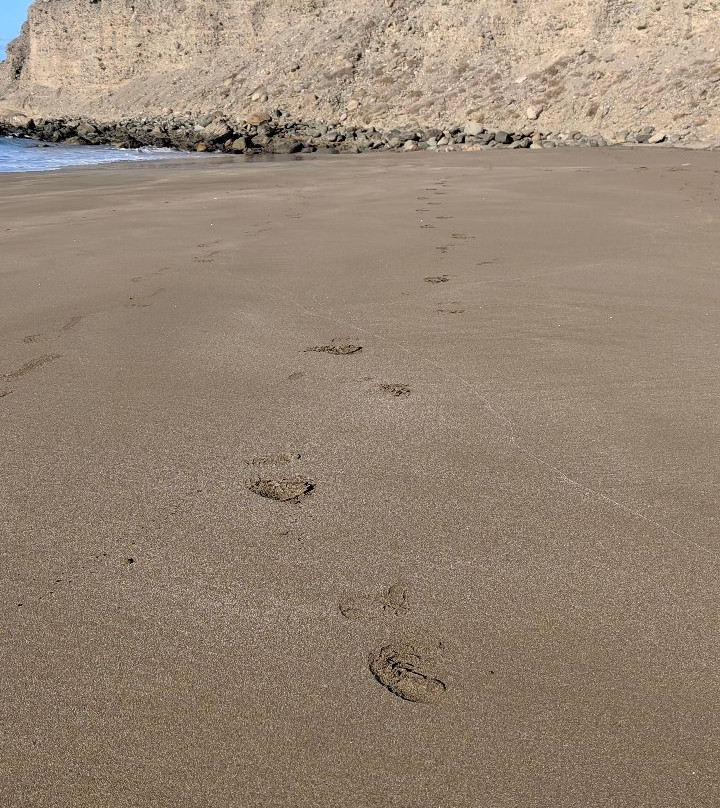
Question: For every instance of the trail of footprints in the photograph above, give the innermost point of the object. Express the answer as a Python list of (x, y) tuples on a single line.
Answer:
[(405, 668), (32, 365)]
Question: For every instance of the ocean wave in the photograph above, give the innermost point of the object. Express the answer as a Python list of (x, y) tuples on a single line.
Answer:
[(21, 154)]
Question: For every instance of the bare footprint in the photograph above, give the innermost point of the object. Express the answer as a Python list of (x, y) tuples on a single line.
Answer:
[(32, 365), (397, 667), (273, 459), (288, 490), (394, 390), (437, 279), (337, 349), (393, 602)]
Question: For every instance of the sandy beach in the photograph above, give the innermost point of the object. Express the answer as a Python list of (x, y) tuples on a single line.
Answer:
[(473, 564)]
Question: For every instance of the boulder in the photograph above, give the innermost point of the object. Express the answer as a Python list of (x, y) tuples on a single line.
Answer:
[(257, 118), (473, 128)]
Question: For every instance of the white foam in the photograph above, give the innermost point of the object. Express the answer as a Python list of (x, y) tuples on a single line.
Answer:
[(18, 154)]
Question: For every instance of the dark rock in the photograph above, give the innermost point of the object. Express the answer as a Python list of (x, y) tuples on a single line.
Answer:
[(502, 137), (240, 144)]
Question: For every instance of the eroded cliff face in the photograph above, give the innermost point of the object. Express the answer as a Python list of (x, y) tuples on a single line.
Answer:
[(578, 64)]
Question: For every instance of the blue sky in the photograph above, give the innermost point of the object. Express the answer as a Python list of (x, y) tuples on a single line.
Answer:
[(12, 15)]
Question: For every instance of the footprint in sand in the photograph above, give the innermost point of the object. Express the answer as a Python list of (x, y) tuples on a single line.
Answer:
[(144, 301), (393, 602), (461, 236), (437, 279), (32, 338), (297, 375), (288, 490), (444, 217), (427, 226), (451, 308), (5, 391), (443, 248), (394, 390), (72, 322), (274, 459), (398, 667), (336, 348), (32, 365)]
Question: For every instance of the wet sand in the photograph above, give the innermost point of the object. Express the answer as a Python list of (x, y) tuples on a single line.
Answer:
[(472, 565)]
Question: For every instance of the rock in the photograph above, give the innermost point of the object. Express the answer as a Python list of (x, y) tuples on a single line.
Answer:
[(216, 132), (240, 144), (658, 137), (410, 145), (473, 128), (201, 147), (502, 137), (533, 113), (287, 147), (257, 118)]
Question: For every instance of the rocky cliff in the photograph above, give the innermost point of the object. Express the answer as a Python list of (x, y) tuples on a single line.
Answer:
[(590, 65)]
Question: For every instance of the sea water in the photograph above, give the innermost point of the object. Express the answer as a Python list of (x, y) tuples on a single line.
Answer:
[(20, 154)]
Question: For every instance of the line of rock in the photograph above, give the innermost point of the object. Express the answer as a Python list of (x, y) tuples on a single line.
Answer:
[(263, 133)]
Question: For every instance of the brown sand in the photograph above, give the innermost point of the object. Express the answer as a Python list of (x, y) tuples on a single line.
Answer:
[(529, 533)]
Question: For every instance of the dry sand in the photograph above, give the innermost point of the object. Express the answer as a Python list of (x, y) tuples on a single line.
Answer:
[(489, 579)]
